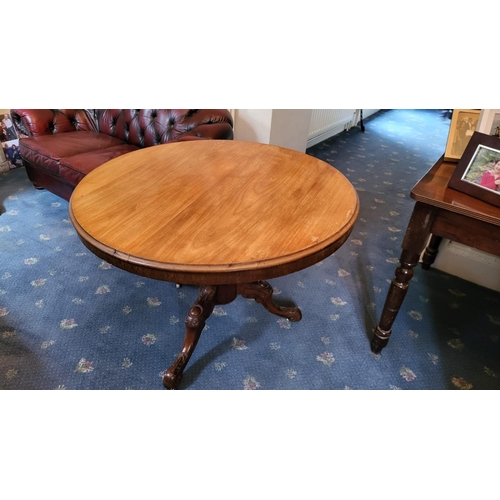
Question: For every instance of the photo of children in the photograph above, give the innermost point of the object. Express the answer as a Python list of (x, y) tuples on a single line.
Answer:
[(484, 169), (10, 142)]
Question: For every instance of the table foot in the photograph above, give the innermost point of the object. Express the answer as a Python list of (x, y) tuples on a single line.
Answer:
[(379, 340), (195, 322), (262, 292)]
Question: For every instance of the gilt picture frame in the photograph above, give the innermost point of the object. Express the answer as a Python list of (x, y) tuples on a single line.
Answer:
[(478, 171), (463, 124)]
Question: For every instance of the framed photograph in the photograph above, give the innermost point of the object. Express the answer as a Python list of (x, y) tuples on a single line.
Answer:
[(7, 130), (478, 171), (463, 125), (489, 122), (10, 143), (11, 153)]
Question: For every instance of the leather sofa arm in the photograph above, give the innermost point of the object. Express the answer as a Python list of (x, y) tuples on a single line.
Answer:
[(209, 131), (36, 122), (208, 124)]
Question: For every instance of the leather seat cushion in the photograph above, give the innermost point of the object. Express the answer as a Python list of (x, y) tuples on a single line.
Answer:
[(71, 155), (74, 168)]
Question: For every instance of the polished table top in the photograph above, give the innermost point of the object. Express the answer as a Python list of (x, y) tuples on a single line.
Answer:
[(214, 212)]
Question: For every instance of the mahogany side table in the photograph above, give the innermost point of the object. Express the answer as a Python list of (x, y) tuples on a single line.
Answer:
[(440, 212)]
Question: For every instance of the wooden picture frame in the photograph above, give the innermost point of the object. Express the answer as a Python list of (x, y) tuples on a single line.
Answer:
[(463, 125), (489, 122), (477, 168)]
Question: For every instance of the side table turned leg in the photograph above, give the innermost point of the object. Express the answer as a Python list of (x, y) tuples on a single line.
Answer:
[(395, 296), (431, 252), (416, 235)]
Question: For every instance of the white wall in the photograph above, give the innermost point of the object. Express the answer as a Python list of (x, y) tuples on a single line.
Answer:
[(290, 128), (287, 128), (253, 125)]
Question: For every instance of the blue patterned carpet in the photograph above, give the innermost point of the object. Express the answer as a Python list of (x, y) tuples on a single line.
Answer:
[(71, 321)]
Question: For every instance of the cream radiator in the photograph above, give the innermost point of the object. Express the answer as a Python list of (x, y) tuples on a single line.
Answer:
[(328, 122)]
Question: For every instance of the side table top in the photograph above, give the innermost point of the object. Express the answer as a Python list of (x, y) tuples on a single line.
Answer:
[(213, 211), (433, 189)]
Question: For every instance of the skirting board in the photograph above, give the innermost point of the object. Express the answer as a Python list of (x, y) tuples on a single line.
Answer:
[(469, 264)]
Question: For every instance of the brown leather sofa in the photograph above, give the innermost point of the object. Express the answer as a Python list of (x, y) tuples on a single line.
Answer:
[(60, 146)]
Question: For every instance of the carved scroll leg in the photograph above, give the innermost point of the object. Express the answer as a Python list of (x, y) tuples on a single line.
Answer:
[(262, 292), (395, 296), (208, 297), (195, 322)]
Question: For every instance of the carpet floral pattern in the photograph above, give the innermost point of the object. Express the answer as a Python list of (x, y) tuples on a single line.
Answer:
[(69, 320)]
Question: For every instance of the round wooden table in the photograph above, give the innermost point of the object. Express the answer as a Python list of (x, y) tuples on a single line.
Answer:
[(224, 215)]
